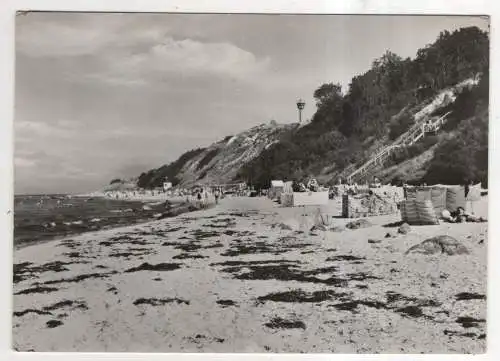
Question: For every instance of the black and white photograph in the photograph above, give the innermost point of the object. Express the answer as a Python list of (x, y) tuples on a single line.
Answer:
[(250, 183)]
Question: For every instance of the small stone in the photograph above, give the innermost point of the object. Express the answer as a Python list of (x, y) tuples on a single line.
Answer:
[(319, 227), (359, 223), (440, 244), (404, 228), (388, 235), (374, 240)]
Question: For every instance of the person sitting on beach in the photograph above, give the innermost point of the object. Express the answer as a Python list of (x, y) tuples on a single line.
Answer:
[(460, 216)]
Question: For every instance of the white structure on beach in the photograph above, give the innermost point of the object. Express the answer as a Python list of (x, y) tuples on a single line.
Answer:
[(167, 185)]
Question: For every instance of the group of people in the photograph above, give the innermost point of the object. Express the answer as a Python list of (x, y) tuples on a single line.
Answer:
[(202, 196), (312, 186), (460, 216)]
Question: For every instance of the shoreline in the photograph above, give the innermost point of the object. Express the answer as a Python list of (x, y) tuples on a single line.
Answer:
[(176, 205)]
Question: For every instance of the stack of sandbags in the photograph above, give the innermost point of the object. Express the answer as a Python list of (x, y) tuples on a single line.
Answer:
[(367, 205)]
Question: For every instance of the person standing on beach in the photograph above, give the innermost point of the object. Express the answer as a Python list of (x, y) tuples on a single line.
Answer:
[(217, 195), (199, 197)]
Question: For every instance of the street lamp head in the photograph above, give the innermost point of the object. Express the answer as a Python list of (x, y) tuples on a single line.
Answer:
[(301, 104)]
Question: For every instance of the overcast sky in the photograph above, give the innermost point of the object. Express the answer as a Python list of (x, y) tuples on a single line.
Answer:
[(100, 96)]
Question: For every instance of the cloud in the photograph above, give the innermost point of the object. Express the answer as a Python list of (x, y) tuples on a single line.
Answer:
[(129, 50), (24, 162), (62, 129), (186, 58)]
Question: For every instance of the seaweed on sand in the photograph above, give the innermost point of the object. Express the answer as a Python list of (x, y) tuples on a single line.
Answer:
[(462, 296), (468, 322), (27, 270), (53, 323), (301, 296), (80, 278), (282, 245), (201, 234), (226, 303), (159, 301), (245, 263), (155, 267), (344, 258), (37, 289), (352, 305), (283, 272), (230, 232), (281, 323), (131, 253), (393, 297), (47, 309), (189, 256)]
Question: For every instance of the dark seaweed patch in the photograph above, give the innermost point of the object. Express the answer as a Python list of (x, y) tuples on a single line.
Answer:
[(215, 245), (243, 263), (31, 310), (230, 232), (396, 297), (412, 311), (159, 301), (461, 334), (469, 296), (352, 305), (468, 322), (344, 258), (201, 234), (189, 256), (53, 323), (132, 252), (300, 296), (283, 272), (125, 239), (226, 302), (72, 254), (280, 323), (282, 245), (27, 270), (37, 289), (155, 267), (258, 247), (47, 309), (361, 287), (80, 278)]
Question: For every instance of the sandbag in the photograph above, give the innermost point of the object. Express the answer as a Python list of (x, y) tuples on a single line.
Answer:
[(402, 208), (423, 194), (455, 197), (474, 194), (409, 212), (438, 199), (426, 213)]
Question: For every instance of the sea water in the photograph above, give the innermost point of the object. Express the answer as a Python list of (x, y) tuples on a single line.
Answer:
[(51, 216)]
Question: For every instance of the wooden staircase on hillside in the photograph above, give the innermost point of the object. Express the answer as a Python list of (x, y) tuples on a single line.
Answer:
[(410, 137)]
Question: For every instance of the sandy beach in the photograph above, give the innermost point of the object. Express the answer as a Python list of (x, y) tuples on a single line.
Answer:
[(248, 276)]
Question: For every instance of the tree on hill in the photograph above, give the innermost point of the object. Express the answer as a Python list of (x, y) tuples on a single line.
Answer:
[(344, 125)]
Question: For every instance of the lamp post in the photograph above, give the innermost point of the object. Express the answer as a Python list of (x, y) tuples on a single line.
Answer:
[(300, 106)]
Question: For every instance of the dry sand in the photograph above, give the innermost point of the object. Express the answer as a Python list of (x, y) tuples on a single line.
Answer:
[(230, 282)]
